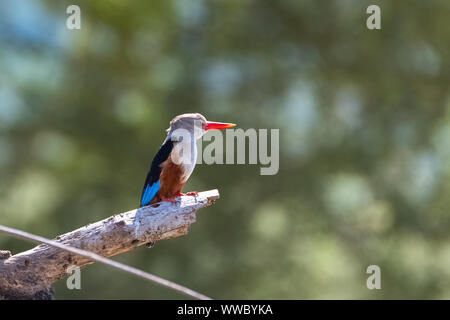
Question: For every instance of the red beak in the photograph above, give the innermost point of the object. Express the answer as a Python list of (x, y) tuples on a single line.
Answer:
[(218, 125)]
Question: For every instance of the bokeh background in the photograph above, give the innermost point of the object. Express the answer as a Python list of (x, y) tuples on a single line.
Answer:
[(364, 119)]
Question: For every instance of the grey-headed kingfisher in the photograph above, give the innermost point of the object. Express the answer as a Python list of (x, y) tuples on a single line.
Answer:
[(176, 158)]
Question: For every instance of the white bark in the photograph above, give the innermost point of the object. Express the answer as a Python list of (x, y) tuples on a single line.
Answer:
[(32, 272)]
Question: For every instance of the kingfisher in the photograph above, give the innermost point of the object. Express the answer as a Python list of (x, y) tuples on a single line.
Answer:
[(175, 160)]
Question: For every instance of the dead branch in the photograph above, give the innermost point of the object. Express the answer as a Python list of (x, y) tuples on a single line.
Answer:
[(30, 274)]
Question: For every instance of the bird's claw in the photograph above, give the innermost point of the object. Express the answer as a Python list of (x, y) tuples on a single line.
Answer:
[(192, 193)]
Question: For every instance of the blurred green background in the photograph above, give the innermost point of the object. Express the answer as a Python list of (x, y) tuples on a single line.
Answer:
[(364, 119)]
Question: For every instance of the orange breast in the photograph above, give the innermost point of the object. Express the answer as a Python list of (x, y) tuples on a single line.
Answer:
[(170, 180)]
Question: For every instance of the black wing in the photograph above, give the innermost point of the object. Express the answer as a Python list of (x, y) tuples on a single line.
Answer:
[(151, 185)]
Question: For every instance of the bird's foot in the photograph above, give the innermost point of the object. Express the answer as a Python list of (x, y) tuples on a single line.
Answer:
[(192, 193), (169, 200)]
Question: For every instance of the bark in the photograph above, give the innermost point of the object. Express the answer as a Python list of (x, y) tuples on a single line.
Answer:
[(30, 274)]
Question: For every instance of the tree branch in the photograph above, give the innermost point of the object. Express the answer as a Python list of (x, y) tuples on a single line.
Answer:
[(31, 273)]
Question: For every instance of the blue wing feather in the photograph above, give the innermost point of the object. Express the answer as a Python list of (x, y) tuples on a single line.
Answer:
[(151, 185)]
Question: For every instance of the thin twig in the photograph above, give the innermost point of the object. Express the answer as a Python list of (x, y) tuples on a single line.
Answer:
[(95, 257)]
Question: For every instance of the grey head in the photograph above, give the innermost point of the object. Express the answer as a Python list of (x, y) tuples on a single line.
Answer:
[(192, 123), (184, 130)]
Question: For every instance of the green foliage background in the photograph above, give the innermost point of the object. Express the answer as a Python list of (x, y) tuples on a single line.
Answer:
[(364, 119)]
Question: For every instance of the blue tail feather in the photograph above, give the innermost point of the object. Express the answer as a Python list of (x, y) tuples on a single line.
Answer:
[(149, 193)]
